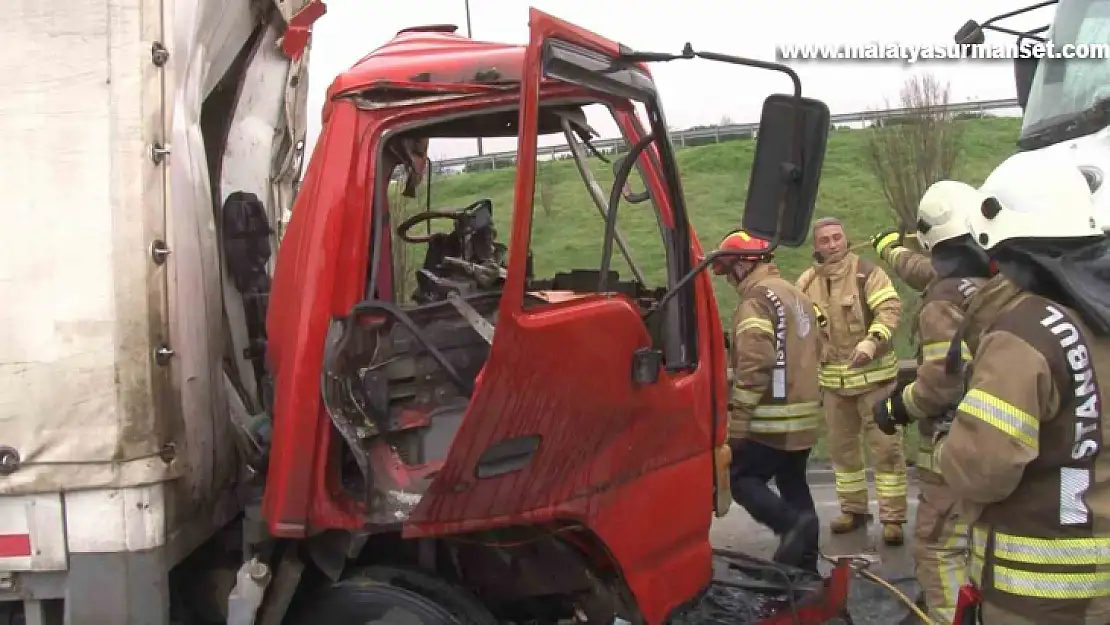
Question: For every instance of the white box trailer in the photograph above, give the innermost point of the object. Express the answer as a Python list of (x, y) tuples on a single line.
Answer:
[(124, 387)]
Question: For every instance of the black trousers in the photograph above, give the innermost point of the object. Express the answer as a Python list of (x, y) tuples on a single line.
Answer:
[(753, 466)]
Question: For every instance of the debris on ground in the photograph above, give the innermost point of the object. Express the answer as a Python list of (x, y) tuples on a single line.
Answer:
[(868, 604)]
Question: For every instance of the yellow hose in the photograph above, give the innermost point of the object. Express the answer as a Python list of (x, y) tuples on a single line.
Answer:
[(885, 584)]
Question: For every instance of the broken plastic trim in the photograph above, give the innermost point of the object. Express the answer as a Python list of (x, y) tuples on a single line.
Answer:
[(366, 308), (393, 94)]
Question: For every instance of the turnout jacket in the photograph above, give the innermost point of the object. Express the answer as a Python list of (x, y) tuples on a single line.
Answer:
[(776, 342), (934, 391), (1025, 455), (863, 309)]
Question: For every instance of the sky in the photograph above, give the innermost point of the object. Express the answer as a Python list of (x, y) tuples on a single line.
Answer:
[(697, 92)]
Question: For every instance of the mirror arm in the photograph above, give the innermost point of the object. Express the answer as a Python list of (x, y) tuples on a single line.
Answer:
[(736, 60), (1031, 34), (712, 256), (614, 200), (1018, 34), (1027, 9)]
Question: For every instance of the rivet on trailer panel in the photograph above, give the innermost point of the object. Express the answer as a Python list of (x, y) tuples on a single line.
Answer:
[(9, 460), (163, 354), (159, 251), (159, 152), (159, 55)]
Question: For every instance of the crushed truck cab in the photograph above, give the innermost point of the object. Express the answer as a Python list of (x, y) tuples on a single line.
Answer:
[(529, 424)]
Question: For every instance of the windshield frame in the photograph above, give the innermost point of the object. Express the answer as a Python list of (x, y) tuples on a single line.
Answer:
[(1046, 119), (574, 64)]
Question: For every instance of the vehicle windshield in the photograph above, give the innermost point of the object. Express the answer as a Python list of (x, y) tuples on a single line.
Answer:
[(1064, 89)]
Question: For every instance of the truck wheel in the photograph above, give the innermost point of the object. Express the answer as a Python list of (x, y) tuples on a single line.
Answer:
[(380, 595)]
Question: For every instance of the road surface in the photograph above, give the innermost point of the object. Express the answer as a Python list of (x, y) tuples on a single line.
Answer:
[(737, 530), (869, 603)]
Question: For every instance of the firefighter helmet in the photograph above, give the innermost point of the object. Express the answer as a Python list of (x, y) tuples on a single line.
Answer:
[(751, 248), (1034, 195), (942, 213)]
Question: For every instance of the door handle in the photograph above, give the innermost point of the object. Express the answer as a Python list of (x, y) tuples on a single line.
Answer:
[(646, 363)]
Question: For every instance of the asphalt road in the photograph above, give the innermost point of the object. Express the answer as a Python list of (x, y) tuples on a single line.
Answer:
[(869, 603)]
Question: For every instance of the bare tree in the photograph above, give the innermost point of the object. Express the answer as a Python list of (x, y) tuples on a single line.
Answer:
[(912, 151)]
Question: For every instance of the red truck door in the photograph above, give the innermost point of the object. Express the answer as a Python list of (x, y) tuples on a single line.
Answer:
[(557, 431)]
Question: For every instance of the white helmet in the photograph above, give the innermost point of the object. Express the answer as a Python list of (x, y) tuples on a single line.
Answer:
[(942, 213), (1034, 195)]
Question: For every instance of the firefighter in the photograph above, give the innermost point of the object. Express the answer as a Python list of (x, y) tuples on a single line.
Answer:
[(1024, 451), (858, 368), (774, 407), (954, 270)]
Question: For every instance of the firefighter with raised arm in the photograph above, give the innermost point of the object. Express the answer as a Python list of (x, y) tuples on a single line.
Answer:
[(858, 368), (1024, 452), (955, 268), (774, 406)]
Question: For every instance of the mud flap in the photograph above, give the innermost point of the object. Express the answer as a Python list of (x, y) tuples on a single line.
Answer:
[(722, 460), (122, 588)]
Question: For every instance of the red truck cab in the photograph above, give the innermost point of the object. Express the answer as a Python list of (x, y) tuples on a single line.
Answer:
[(550, 443)]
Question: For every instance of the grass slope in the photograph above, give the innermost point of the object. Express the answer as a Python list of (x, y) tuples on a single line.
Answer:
[(567, 230)]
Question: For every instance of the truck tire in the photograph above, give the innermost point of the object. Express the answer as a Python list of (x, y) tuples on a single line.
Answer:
[(372, 591)]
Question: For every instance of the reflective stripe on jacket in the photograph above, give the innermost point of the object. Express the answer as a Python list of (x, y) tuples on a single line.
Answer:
[(861, 304), (1024, 452), (776, 342)]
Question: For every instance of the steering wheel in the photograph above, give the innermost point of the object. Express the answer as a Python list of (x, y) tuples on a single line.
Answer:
[(456, 215)]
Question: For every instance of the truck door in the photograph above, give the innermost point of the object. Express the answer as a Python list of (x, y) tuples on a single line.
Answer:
[(557, 429)]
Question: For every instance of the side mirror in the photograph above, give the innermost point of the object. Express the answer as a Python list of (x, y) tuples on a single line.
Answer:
[(970, 32), (1024, 69), (626, 192), (789, 154)]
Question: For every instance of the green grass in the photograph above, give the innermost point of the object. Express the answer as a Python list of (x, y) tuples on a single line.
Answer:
[(567, 229)]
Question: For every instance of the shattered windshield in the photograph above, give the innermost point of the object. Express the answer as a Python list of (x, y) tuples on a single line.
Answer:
[(1064, 89)]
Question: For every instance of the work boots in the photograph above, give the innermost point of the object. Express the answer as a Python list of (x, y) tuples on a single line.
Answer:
[(848, 522), (892, 534), (798, 546)]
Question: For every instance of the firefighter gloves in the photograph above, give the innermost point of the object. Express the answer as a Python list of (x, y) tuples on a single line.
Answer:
[(885, 239), (891, 413)]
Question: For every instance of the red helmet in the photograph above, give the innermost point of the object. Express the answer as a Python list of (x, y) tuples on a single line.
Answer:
[(754, 247)]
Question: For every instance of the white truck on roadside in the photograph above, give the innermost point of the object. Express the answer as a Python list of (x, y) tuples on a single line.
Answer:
[(130, 127), (1065, 99)]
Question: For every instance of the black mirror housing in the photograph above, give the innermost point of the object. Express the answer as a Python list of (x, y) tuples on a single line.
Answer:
[(1024, 69), (789, 155), (970, 32)]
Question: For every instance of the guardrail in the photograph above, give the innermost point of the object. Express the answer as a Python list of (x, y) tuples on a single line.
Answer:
[(498, 160)]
